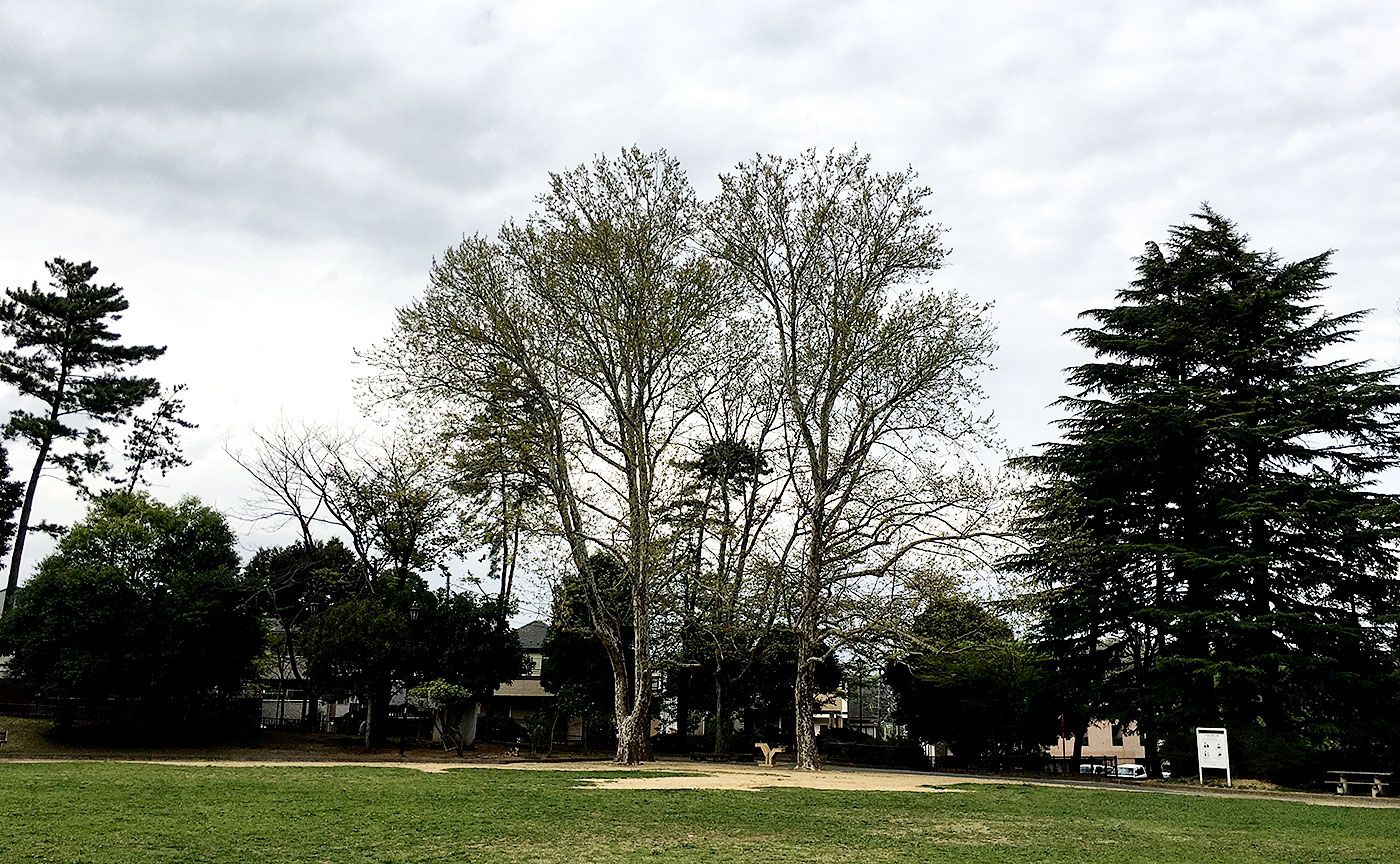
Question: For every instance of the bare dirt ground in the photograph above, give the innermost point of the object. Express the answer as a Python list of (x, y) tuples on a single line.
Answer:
[(29, 743), (745, 778)]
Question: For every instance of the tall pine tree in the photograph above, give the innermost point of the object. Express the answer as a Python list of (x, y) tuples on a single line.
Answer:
[(1207, 537), (64, 357)]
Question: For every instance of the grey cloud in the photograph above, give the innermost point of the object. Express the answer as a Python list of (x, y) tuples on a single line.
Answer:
[(1057, 138)]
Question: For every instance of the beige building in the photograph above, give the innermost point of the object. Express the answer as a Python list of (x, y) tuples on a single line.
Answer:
[(1105, 739), (525, 697)]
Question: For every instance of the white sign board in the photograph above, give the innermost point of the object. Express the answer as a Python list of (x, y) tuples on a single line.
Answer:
[(1212, 751)]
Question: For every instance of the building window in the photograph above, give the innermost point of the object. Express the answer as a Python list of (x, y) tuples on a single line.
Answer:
[(1117, 735)]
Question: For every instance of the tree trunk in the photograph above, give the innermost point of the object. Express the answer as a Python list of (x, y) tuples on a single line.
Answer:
[(682, 679), (804, 688), (628, 750), (806, 736), (633, 729), (466, 728), (1149, 751), (22, 526), (721, 727), (378, 715)]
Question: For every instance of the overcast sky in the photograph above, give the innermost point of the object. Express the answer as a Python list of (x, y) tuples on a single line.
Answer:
[(270, 180)]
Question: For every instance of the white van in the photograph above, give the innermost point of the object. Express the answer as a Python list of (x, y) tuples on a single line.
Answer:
[(1132, 772)]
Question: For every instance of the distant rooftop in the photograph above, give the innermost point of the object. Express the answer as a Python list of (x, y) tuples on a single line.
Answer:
[(532, 636)]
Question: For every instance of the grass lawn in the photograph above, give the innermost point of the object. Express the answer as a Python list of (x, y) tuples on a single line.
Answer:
[(119, 812)]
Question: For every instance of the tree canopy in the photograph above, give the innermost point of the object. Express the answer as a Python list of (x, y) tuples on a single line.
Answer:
[(140, 601), (65, 357), (876, 375), (600, 313), (1208, 538), (972, 684)]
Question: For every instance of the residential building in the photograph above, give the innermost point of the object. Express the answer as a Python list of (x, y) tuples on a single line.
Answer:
[(1105, 739)]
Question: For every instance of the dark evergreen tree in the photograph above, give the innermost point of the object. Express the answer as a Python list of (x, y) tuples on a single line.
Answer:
[(359, 648), (141, 602), (65, 357), (11, 495), (154, 441), (972, 685), (1207, 537), (467, 641), (292, 583)]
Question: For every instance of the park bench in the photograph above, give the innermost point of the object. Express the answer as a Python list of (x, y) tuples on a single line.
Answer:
[(1357, 782), (769, 752)]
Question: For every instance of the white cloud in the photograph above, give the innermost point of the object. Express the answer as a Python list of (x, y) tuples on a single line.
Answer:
[(270, 180)]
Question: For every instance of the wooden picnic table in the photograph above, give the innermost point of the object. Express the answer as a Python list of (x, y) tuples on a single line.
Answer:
[(769, 752), (1359, 781)]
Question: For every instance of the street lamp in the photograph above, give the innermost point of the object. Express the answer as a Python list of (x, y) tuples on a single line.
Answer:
[(308, 704), (413, 612)]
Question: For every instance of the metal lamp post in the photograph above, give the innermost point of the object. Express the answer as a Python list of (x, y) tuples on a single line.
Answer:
[(308, 705), (413, 612)]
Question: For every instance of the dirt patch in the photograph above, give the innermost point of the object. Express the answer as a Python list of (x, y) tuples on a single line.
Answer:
[(738, 777), (29, 743)]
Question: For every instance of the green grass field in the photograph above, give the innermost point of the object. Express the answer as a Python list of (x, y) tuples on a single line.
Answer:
[(117, 812)]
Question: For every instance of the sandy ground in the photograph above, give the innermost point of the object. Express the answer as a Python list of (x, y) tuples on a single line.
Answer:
[(739, 777)]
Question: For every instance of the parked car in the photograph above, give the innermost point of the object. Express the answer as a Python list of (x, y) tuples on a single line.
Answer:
[(1132, 772)]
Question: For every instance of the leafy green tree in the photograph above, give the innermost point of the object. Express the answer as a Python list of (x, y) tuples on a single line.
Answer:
[(358, 648), (449, 703), (140, 600), (466, 641), (292, 583), (65, 357), (395, 505), (1208, 533), (875, 374), (601, 305), (972, 684)]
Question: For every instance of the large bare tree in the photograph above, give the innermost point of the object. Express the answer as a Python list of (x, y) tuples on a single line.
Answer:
[(391, 500), (601, 310), (876, 378)]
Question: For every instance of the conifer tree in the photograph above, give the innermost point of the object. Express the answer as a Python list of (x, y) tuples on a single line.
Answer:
[(1207, 536), (65, 357)]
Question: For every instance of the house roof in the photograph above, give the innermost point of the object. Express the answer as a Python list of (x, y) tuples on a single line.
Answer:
[(532, 636)]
